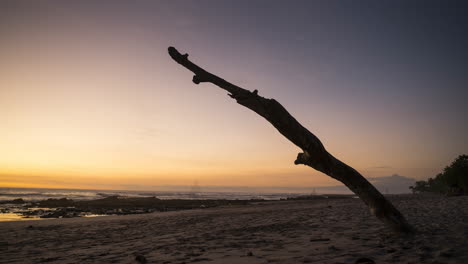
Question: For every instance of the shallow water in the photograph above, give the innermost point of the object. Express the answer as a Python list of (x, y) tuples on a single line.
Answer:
[(16, 217), (14, 213)]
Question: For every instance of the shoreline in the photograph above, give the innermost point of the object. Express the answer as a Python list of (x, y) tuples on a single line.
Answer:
[(307, 231), (118, 205)]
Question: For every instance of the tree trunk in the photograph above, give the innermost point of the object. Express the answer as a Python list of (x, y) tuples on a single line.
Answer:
[(314, 153)]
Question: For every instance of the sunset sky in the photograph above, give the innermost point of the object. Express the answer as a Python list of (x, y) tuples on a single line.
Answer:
[(89, 97)]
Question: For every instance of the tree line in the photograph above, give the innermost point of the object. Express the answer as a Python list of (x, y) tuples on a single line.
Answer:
[(453, 180)]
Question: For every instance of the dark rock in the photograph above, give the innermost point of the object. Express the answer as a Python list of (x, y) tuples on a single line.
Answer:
[(18, 201), (15, 201), (250, 254)]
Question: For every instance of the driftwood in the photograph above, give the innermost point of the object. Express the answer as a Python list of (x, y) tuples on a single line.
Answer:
[(314, 153)]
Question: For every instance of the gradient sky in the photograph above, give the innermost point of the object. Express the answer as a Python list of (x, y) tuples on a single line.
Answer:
[(89, 97)]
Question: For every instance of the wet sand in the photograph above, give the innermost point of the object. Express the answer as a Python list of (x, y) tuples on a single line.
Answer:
[(315, 231)]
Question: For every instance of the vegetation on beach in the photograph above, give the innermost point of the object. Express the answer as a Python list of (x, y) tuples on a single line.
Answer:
[(452, 181)]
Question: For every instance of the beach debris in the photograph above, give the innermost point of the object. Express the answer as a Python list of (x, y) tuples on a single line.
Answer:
[(49, 259), (141, 259), (333, 248), (250, 254), (319, 239), (364, 260), (200, 259)]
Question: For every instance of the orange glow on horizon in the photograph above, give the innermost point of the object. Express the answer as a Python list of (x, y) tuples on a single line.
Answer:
[(93, 99)]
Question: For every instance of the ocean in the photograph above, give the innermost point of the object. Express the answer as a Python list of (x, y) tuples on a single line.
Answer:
[(36, 194), (15, 212)]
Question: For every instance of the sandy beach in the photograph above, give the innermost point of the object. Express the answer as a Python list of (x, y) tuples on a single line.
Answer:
[(321, 231)]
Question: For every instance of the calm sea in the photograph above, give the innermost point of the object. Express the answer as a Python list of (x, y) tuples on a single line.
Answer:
[(33, 194)]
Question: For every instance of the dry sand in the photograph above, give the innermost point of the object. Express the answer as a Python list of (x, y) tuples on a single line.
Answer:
[(324, 231)]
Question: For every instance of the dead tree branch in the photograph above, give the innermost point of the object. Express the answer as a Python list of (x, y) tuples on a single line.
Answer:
[(314, 153)]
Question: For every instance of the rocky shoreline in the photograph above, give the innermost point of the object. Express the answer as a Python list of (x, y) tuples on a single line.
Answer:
[(113, 205), (122, 205)]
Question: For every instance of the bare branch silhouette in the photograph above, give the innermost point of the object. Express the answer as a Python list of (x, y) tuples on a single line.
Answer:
[(314, 153)]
